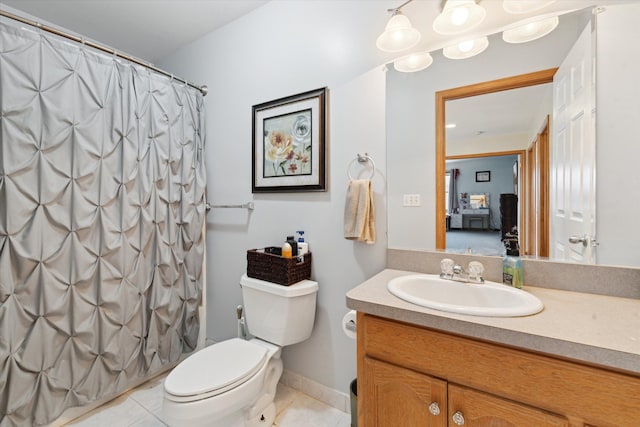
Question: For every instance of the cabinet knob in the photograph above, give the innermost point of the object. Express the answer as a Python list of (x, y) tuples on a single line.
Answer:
[(434, 408), (458, 419)]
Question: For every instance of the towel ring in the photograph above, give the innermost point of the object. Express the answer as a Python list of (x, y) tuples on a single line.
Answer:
[(362, 159)]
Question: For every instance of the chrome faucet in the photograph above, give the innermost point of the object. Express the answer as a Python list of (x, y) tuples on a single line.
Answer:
[(453, 271)]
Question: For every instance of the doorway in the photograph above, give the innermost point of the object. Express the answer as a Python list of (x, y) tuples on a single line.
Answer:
[(476, 218), (520, 81)]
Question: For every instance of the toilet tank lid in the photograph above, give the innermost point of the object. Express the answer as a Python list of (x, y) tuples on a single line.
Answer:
[(303, 287), (219, 365)]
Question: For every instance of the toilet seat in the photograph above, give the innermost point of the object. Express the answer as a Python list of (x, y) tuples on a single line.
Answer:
[(215, 369)]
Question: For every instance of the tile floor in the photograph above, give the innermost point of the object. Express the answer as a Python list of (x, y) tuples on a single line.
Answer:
[(141, 407)]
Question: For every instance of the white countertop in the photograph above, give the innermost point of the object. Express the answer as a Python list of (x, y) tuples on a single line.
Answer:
[(596, 329)]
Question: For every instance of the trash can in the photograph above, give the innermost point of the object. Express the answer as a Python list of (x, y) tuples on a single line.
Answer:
[(354, 403)]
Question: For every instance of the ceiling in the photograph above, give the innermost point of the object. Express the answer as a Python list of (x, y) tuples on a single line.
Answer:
[(153, 29), (499, 113), (147, 29)]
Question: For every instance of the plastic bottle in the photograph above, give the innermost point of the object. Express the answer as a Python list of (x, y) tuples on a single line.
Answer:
[(512, 271), (286, 250), (303, 247), (294, 245)]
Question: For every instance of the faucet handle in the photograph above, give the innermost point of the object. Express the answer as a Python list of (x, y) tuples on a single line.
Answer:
[(475, 272), (446, 267)]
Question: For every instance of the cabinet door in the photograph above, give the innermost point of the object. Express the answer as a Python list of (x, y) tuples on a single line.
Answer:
[(399, 397), (472, 408)]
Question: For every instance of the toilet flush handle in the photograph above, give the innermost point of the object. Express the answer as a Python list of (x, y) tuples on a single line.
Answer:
[(242, 333)]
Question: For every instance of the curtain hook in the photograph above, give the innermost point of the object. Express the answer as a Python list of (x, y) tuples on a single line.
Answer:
[(38, 26)]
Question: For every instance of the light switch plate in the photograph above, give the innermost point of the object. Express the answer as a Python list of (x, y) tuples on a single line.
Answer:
[(411, 200)]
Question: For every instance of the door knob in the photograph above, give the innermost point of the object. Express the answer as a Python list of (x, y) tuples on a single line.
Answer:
[(458, 418), (434, 408), (584, 239), (575, 239)]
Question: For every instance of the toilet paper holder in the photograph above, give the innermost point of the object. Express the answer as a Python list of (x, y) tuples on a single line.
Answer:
[(350, 325)]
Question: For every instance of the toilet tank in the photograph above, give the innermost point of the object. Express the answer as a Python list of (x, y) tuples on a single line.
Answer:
[(282, 315)]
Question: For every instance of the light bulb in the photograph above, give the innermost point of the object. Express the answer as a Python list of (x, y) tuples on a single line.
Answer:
[(459, 16), (414, 62), (398, 35), (530, 31), (466, 49), (466, 46)]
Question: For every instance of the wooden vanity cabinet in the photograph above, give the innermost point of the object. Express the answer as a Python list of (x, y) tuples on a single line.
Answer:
[(413, 376)]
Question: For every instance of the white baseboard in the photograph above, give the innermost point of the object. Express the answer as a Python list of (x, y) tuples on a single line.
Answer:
[(331, 397)]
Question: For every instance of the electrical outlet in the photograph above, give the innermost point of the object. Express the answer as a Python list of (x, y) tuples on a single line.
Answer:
[(411, 200)]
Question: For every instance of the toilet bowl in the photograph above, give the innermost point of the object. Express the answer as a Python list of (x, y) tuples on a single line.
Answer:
[(199, 393), (233, 383)]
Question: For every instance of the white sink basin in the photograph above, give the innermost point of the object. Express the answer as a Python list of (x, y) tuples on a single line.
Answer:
[(489, 299)]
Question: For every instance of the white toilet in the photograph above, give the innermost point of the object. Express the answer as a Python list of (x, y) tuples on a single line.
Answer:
[(233, 383)]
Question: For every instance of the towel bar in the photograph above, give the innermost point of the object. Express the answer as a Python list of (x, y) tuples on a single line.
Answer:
[(362, 158), (248, 205)]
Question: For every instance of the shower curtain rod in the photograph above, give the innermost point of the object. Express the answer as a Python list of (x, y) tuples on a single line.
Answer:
[(203, 89)]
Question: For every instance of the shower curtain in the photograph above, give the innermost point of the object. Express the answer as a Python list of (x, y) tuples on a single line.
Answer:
[(102, 192)]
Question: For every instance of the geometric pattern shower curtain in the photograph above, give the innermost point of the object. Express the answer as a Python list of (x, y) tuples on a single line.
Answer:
[(102, 192)]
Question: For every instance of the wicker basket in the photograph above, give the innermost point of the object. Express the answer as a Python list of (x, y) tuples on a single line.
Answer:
[(268, 265)]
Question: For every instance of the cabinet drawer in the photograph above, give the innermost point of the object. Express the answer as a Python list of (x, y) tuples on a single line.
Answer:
[(596, 396)]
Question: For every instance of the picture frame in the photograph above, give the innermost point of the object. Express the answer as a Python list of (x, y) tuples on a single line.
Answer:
[(483, 176), (288, 144)]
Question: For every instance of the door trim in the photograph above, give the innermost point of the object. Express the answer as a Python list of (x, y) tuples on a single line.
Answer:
[(514, 82)]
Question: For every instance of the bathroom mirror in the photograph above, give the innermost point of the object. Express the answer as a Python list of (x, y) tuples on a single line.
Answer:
[(501, 125), (411, 130)]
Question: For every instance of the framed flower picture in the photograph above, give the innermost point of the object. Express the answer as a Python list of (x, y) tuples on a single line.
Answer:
[(289, 144)]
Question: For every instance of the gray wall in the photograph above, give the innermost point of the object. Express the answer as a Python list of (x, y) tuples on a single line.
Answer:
[(281, 49), (501, 169)]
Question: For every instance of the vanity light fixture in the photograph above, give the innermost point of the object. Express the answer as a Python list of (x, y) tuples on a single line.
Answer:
[(531, 30), (450, 125), (466, 49), (525, 6), (399, 34), (413, 62), (458, 16)]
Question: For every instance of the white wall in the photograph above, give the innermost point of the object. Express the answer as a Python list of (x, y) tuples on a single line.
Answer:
[(411, 123), (284, 48), (617, 135)]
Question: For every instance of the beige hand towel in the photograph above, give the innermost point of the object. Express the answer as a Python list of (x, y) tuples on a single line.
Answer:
[(359, 213)]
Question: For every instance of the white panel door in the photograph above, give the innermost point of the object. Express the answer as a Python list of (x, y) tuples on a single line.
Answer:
[(572, 157)]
